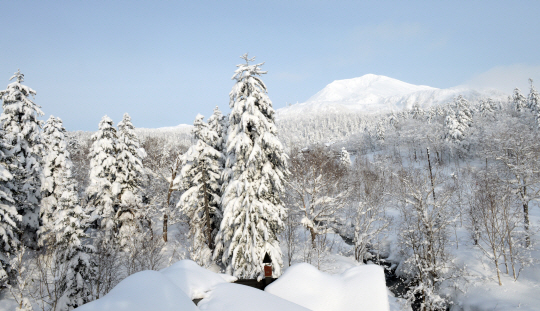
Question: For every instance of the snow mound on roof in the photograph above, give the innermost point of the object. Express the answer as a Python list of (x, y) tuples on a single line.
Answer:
[(172, 288), (194, 280), (143, 291), (358, 288), (235, 297)]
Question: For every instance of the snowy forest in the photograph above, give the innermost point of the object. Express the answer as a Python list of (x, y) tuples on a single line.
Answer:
[(445, 197)]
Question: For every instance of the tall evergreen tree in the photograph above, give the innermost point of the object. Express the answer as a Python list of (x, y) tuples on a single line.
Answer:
[(55, 162), (23, 139), (256, 166), (129, 174), (102, 191), (199, 178), (9, 241), (63, 219)]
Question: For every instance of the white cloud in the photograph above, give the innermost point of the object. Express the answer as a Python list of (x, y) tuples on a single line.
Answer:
[(506, 78)]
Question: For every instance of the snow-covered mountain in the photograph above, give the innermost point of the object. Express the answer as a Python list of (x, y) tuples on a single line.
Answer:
[(374, 93)]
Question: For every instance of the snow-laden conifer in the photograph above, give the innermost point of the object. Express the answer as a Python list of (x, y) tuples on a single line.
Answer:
[(256, 167), (23, 139), (380, 132), (129, 173), (417, 112), (486, 107), (199, 179), (9, 237), (55, 162), (102, 191), (533, 100), (217, 123), (63, 219), (463, 112), (452, 128), (519, 101), (344, 158)]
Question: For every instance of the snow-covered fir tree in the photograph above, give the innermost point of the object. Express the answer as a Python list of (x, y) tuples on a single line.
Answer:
[(102, 191), (463, 112), (533, 100), (486, 107), (70, 222), (217, 123), (23, 139), (452, 128), (199, 179), (380, 132), (55, 162), (9, 218), (344, 158), (519, 101), (63, 219), (256, 168), (417, 112), (129, 173)]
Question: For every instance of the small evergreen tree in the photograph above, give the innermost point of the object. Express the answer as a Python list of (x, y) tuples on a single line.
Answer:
[(518, 100), (23, 139), (533, 100), (256, 171), (344, 158), (199, 178), (103, 191), (129, 173)]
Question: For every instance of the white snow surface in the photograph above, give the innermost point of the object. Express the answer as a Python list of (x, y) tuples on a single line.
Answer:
[(194, 280), (358, 288), (375, 93), (235, 297), (143, 291)]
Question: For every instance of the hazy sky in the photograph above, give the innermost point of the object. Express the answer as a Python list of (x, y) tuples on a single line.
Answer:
[(165, 61)]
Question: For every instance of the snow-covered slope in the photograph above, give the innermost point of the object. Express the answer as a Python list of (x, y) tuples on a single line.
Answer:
[(374, 93)]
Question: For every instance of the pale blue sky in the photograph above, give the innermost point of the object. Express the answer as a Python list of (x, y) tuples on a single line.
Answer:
[(165, 61)]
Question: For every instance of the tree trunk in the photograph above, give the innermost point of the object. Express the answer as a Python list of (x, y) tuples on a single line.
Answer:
[(526, 223), (207, 213), (165, 219)]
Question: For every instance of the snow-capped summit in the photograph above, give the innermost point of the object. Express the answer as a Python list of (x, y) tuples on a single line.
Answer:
[(375, 93), (367, 88)]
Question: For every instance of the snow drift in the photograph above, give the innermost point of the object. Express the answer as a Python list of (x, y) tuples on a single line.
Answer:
[(358, 288)]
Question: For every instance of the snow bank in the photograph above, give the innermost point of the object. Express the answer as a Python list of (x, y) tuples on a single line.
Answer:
[(235, 297), (194, 280), (143, 291), (358, 288)]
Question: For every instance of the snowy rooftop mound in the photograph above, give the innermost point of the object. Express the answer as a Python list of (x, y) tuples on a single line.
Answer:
[(143, 291), (172, 288), (194, 280), (235, 297), (374, 93), (358, 288)]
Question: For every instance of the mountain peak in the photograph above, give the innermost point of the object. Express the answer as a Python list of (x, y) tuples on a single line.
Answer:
[(376, 93), (367, 87)]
